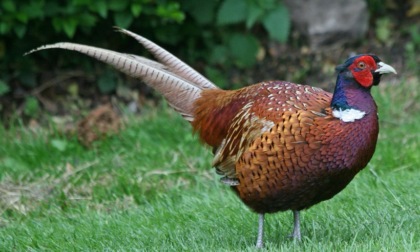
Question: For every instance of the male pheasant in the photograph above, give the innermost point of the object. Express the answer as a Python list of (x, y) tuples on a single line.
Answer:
[(279, 145)]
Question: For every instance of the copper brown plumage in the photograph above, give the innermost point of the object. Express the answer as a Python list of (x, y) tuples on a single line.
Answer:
[(279, 145)]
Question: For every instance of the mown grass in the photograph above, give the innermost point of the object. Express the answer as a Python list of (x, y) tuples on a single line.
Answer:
[(152, 188)]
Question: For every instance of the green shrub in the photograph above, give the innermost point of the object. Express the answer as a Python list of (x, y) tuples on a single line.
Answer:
[(29, 23), (219, 33)]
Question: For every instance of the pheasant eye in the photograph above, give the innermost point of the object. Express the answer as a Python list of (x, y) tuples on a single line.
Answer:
[(361, 65)]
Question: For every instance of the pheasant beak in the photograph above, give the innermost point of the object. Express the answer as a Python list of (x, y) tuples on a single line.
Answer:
[(384, 68)]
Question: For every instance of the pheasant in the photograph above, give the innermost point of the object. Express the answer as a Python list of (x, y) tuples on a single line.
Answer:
[(279, 145)]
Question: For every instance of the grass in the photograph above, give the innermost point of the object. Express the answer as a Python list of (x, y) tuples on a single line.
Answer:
[(152, 188)]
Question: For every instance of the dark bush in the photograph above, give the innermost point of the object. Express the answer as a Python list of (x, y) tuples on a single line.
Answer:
[(214, 31)]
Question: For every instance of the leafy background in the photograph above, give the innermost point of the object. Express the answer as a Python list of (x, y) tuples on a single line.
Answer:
[(233, 42)]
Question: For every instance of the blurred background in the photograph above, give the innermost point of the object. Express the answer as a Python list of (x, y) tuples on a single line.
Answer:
[(232, 42)]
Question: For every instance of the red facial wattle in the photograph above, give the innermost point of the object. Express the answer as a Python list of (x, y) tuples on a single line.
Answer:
[(362, 69)]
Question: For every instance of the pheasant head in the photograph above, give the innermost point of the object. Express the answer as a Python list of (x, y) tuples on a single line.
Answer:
[(352, 99)]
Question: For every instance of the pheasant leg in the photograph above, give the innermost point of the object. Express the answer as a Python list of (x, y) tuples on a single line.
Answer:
[(296, 225), (260, 230)]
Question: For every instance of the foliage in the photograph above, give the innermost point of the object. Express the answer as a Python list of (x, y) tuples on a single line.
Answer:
[(185, 25), (383, 29), (30, 23), (215, 36), (4, 88), (83, 15), (413, 46), (234, 21), (271, 13)]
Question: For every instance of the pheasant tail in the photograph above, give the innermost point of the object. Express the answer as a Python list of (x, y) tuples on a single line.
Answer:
[(176, 81)]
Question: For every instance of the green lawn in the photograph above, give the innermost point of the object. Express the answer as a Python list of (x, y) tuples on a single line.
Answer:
[(152, 188)]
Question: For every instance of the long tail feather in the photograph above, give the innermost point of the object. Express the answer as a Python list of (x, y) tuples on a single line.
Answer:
[(180, 92), (174, 64)]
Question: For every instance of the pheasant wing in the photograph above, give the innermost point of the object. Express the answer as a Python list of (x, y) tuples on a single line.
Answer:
[(277, 120)]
